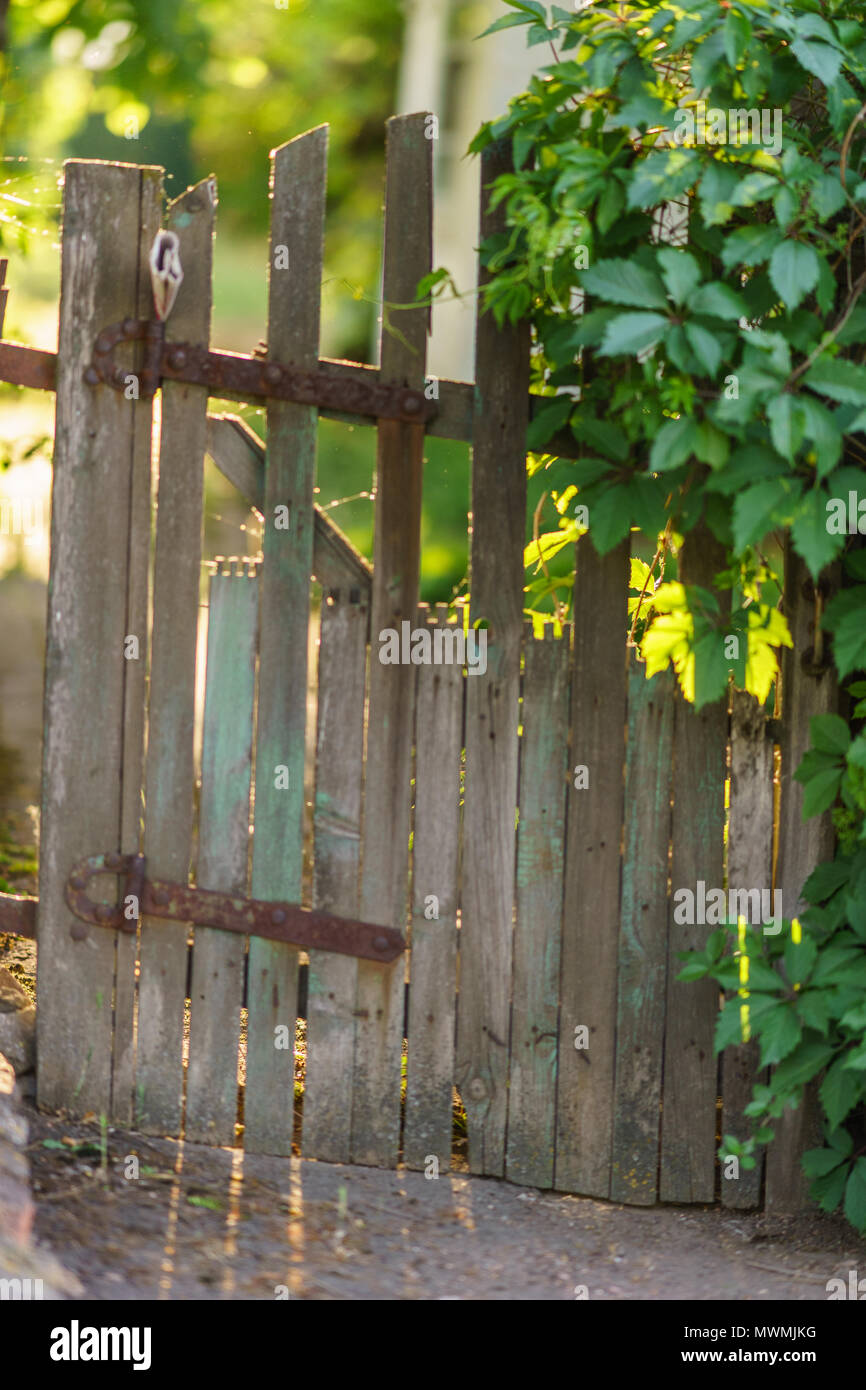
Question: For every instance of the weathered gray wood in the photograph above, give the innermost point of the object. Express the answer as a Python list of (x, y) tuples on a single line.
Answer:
[(490, 801), (538, 929), (433, 965), (333, 979), (171, 712), (98, 464), (239, 454), (750, 865), (407, 256), (690, 1082), (643, 938), (297, 226), (217, 985), (135, 696), (591, 917), (801, 846)]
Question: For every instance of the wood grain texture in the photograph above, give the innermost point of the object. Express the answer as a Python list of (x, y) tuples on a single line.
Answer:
[(490, 801), (538, 928), (239, 454), (801, 846), (435, 853), (690, 1081), (170, 772), (135, 689), (407, 256), (333, 979), (593, 866), (299, 177), (643, 938), (95, 508), (750, 865), (217, 985)]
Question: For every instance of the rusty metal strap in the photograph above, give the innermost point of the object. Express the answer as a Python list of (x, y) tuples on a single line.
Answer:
[(18, 915), (251, 378), (278, 921), (25, 366)]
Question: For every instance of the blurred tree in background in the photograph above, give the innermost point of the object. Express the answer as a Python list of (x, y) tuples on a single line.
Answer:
[(210, 87)]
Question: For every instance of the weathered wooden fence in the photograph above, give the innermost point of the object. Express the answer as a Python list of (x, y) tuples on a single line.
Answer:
[(524, 826)]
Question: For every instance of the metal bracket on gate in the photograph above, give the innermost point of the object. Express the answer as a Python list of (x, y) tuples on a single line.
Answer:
[(248, 377), (299, 926)]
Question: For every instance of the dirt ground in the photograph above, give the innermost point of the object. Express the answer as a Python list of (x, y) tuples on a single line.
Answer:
[(201, 1223)]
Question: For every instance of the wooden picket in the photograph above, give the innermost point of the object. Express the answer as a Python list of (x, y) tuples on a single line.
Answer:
[(297, 229), (690, 1078), (490, 798), (750, 864), (593, 868), (170, 774), (407, 257), (435, 853), (808, 688), (524, 825), (643, 939), (101, 473), (223, 849), (537, 935), (333, 980)]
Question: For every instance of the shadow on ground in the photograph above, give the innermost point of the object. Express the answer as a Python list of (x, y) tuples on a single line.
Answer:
[(199, 1223)]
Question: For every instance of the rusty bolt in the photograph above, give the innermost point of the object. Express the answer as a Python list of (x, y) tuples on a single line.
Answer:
[(411, 405), (130, 327), (92, 377), (380, 943), (105, 911), (272, 373), (177, 358), (78, 931), (104, 343), (78, 881), (112, 861), (278, 916)]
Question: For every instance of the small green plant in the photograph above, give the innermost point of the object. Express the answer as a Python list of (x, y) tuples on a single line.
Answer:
[(802, 994)]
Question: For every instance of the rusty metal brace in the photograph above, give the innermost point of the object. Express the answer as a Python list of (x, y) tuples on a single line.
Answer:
[(278, 921), (252, 378)]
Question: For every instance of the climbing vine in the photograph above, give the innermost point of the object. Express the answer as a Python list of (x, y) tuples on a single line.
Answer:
[(686, 231)]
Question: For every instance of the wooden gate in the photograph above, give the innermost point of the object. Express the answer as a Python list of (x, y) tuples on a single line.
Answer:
[(536, 900)]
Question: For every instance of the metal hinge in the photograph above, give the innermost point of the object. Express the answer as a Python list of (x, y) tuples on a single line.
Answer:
[(278, 921)]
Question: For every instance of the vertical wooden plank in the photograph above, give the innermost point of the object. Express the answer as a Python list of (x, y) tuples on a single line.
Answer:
[(97, 476), (435, 848), (490, 799), (299, 175), (170, 772), (407, 256), (135, 690), (802, 845), (538, 929), (591, 915), (690, 1082), (750, 865), (333, 979), (643, 938), (223, 845)]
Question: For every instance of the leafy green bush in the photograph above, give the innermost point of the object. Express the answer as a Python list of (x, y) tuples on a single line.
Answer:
[(685, 231)]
